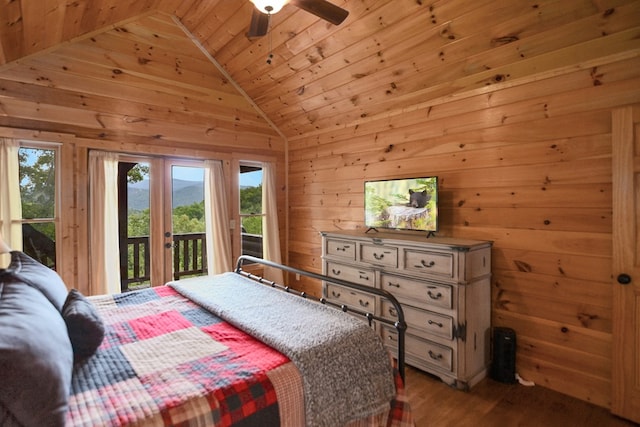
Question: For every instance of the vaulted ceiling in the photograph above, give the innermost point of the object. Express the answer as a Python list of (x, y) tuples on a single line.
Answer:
[(389, 55)]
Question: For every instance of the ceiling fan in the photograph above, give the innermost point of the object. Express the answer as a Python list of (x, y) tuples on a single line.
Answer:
[(265, 8)]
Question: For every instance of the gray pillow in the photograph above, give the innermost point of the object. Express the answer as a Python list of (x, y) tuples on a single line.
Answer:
[(36, 358), (84, 325), (39, 276)]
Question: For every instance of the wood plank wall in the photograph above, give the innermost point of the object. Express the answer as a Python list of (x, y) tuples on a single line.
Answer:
[(142, 88), (519, 132), (526, 165)]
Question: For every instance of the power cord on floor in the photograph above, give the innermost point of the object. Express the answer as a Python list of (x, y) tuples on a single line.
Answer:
[(523, 381)]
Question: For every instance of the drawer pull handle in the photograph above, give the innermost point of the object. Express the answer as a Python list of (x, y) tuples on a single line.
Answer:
[(364, 276), (435, 356), (391, 338), (378, 257), (392, 312), (364, 303), (335, 294), (343, 249), (425, 264), (336, 272), (434, 296), (438, 324), (395, 285)]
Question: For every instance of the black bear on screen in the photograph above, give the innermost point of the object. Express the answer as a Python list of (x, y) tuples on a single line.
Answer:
[(418, 199)]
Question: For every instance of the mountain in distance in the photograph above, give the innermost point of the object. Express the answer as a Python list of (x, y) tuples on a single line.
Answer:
[(184, 193)]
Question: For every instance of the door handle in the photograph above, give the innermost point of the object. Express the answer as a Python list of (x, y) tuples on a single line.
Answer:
[(624, 279)]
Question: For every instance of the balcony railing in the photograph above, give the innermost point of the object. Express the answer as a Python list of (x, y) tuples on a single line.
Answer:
[(189, 257), (137, 272)]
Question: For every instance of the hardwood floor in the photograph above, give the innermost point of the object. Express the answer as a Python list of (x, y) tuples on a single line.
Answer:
[(491, 403)]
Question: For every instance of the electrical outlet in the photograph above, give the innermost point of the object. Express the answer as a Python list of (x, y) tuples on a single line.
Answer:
[(297, 276)]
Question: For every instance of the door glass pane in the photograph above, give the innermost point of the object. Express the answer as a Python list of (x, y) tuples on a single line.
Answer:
[(37, 170), (136, 258), (188, 222), (251, 210)]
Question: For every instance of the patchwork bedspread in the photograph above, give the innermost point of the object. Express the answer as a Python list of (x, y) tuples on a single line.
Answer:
[(345, 368), (167, 361)]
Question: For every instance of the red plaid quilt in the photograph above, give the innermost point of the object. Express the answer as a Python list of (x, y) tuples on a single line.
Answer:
[(167, 361)]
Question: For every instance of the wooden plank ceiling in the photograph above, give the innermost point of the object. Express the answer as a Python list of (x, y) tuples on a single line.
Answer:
[(387, 56)]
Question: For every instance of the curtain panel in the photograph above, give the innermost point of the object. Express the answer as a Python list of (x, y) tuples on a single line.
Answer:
[(216, 219), (103, 236), (10, 202), (270, 228)]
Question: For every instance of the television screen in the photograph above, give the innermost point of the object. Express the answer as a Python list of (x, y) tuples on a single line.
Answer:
[(402, 204)]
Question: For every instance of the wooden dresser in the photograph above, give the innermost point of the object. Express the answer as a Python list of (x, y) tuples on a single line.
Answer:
[(443, 285)]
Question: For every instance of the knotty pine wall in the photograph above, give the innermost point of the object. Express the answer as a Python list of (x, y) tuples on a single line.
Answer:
[(526, 165), (143, 88), (518, 133)]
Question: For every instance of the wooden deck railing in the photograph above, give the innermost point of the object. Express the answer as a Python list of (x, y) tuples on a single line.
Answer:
[(189, 257), (138, 264)]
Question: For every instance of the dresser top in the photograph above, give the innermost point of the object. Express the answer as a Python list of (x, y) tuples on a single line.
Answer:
[(400, 237)]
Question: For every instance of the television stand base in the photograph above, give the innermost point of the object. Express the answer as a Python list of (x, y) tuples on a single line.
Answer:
[(431, 234), (371, 228)]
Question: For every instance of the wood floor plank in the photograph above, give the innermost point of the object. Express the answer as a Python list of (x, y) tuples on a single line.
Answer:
[(494, 404)]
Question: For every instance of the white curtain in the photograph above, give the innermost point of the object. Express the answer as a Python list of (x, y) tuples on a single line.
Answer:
[(270, 229), (103, 231), (216, 219), (10, 203)]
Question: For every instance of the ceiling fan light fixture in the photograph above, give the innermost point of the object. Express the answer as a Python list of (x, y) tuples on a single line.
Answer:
[(269, 7)]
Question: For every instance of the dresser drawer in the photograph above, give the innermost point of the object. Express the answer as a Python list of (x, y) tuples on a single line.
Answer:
[(420, 349), (355, 299), (341, 248), (439, 264), (430, 352), (421, 320), (351, 274), (425, 293), (386, 256)]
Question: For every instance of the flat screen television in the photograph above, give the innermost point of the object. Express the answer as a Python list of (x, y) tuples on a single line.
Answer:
[(402, 204)]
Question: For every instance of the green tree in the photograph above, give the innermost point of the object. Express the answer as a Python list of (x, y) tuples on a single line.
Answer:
[(37, 182), (194, 210), (137, 173), (251, 203), (138, 223), (186, 219), (251, 200)]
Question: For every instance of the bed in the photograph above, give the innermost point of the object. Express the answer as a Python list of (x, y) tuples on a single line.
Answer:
[(207, 351)]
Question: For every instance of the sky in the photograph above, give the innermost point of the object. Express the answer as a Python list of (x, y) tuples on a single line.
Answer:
[(249, 179)]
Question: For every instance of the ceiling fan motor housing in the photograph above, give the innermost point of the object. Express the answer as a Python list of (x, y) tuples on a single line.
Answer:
[(269, 6)]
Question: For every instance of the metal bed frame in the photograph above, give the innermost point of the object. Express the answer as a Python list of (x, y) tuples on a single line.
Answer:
[(399, 324)]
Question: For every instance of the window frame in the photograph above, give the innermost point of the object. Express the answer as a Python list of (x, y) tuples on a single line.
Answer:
[(241, 216), (56, 220)]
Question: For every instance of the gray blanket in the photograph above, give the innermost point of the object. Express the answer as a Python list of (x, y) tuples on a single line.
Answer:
[(346, 371)]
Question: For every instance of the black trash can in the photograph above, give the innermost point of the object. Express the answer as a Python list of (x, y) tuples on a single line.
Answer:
[(503, 365)]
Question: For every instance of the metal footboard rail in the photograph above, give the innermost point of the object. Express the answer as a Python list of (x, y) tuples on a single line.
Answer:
[(400, 324)]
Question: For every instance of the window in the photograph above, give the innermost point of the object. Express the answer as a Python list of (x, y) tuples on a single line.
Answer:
[(38, 191), (251, 209)]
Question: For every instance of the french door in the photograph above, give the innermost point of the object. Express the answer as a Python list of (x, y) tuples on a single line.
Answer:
[(162, 221)]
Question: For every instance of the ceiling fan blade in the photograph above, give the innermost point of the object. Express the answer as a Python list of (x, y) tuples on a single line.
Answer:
[(259, 24), (323, 9)]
